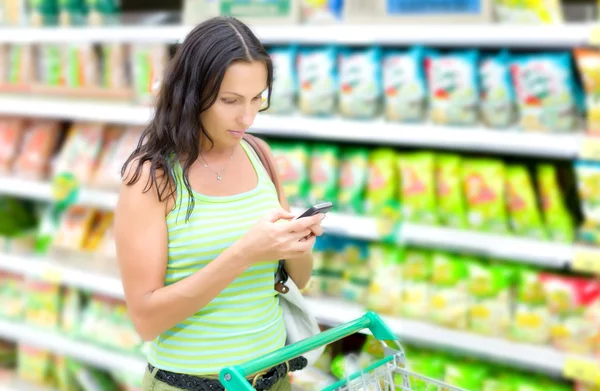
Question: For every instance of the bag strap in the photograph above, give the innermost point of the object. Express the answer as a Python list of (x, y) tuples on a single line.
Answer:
[(260, 147)]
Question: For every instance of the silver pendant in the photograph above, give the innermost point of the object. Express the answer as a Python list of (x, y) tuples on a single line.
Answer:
[(218, 176)]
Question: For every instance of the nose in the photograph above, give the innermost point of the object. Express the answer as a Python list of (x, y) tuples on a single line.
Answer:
[(247, 117)]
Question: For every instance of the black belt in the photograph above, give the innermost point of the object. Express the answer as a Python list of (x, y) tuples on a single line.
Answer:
[(261, 382)]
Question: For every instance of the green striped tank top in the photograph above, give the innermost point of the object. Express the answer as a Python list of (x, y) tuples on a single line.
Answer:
[(245, 320)]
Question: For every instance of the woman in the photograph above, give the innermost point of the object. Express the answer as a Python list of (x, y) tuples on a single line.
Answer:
[(199, 226)]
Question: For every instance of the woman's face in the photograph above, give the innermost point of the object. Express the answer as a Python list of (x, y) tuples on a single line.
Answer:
[(238, 102)]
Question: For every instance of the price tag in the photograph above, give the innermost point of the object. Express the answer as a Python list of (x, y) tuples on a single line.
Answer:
[(581, 369), (590, 148), (586, 259), (52, 274)]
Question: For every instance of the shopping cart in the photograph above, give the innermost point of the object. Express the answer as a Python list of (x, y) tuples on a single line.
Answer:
[(387, 374)]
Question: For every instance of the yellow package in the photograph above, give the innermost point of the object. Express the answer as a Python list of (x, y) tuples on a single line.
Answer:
[(588, 64)]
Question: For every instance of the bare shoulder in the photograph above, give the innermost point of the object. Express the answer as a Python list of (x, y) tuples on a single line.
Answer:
[(140, 186)]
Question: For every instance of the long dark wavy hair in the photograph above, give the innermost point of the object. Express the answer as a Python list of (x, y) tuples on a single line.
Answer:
[(190, 86)]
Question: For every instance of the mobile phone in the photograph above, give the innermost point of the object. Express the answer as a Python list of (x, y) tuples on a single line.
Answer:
[(322, 207)]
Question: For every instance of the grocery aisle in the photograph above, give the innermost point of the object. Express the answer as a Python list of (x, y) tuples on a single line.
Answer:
[(462, 159)]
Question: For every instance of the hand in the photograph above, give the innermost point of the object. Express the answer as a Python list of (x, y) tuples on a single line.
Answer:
[(316, 229), (271, 239)]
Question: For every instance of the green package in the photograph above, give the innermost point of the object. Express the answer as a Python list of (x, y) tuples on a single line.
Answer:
[(333, 268), (383, 184), (292, 160), (356, 274), (432, 365), (35, 366), (324, 170), (50, 65), (498, 383), (490, 297), (71, 310), (354, 170), (450, 200), (448, 295), (558, 220), (470, 376), (531, 318), (484, 183), (11, 296), (524, 214), (416, 274), (385, 290), (65, 381), (92, 379), (418, 190)]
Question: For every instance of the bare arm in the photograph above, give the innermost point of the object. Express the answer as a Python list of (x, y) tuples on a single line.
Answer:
[(142, 243)]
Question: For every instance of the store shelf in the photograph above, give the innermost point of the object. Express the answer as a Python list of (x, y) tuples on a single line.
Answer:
[(75, 110), (563, 146), (49, 270), (42, 191), (333, 312), (82, 351), (487, 35), (506, 247)]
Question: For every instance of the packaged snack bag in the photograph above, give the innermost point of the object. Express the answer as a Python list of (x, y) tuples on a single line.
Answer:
[(532, 320), (416, 277), (73, 228), (404, 85), (80, 66), (293, 167), (558, 220), (80, 153), (588, 64), (453, 87), (498, 101), (118, 145), (357, 274), (524, 215), (383, 183), (432, 365), (385, 292), (467, 375), (21, 69), (148, 63), (490, 289), (321, 251), (12, 296), (324, 170), (71, 307), (39, 141), (417, 178), (318, 79), (333, 268), (11, 134), (35, 366), (353, 177), (451, 208), (569, 300), (448, 294), (42, 304), (546, 92), (484, 184), (588, 186), (285, 79), (114, 75), (360, 82)]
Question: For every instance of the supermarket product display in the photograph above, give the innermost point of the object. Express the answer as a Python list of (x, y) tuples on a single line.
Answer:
[(464, 192), (463, 88), (79, 315), (483, 296)]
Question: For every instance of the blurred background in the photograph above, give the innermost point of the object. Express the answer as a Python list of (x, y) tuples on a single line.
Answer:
[(458, 140)]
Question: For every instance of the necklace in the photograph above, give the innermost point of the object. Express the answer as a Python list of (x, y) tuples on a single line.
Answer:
[(219, 177)]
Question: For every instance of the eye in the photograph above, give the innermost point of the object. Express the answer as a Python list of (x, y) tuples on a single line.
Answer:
[(228, 101)]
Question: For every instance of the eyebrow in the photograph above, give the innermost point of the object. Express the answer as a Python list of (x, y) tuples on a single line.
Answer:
[(241, 96)]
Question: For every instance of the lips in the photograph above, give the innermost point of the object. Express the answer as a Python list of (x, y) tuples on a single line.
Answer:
[(238, 133)]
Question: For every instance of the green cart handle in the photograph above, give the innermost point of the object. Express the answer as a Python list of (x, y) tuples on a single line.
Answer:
[(234, 378)]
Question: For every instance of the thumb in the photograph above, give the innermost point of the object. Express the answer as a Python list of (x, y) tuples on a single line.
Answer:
[(280, 214)]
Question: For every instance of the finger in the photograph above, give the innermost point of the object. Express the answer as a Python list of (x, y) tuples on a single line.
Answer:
[(317, 230), (279, 214), (305, 222), (304, 246), (295, 236)]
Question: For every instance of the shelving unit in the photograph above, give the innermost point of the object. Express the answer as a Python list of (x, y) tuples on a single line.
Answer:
[(80, 350)]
